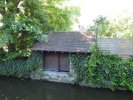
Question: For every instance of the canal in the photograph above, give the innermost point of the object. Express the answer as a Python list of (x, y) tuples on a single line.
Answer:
[(18, 89)]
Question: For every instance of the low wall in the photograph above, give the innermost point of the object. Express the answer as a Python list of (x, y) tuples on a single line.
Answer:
[(120, 46)]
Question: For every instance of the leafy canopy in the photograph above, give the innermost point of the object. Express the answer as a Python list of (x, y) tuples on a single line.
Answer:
[(25, 21), (121, 27)]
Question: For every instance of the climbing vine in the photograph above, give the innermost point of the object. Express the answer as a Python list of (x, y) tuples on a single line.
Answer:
[(78, 66), (21, 67), (103, 70)]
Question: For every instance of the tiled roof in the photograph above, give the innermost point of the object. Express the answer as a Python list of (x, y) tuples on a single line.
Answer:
[(66, 42)]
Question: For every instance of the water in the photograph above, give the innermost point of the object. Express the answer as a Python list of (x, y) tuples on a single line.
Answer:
[(17, 89)]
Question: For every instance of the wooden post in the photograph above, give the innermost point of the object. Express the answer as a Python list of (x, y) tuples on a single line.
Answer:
[(97, 31)]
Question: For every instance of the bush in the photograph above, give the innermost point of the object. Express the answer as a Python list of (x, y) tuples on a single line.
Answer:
[(21, 67), (104, 70)]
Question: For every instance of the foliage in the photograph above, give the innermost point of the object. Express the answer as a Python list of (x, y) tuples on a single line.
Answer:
[(102, 24), (78, 65), (19, 31), (105, 70), (109, 70), (131, 59), (60, 16), (21, 67), (25, 21), (120, 27)]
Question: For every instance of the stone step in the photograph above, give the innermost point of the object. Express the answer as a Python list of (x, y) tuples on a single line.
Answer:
[(64, 77)]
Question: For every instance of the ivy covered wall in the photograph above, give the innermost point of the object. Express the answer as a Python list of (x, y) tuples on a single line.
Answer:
[(103, 70), (22, 67)]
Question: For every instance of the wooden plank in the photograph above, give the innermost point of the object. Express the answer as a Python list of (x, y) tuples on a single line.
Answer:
[(118, 46), (64, 62), (52, 61)]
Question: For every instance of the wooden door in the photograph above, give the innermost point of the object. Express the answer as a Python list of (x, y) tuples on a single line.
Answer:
[(64, 62), (52, 61), (56, 61)]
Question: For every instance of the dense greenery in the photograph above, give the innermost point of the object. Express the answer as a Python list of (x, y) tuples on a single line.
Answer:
[(104, 70), (78, 66), (25, 21), (21, 67), (121, 27)]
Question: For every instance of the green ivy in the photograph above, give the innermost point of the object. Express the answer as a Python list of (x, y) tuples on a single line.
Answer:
[(104, 70), (21, 67), (78, 65)]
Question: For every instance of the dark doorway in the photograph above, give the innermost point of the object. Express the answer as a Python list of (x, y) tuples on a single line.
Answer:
[(56, 61)]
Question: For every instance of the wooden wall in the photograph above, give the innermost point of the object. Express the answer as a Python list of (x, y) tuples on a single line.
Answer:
[(118, 46)]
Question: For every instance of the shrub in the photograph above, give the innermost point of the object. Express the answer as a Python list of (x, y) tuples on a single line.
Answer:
[(21, 67)]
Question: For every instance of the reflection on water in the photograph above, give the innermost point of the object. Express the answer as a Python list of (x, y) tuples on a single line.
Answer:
[(16, 89)]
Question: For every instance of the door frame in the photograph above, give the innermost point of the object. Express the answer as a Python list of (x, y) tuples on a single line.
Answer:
[(59, 67)]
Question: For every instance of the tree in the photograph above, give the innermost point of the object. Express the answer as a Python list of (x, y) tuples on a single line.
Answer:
[(103, 26), (121, 27), (61, 16), (25, 21)]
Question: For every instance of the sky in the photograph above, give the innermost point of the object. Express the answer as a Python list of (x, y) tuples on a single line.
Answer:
[(90, 9)]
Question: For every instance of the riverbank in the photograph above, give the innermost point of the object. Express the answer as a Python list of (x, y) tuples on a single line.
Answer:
[(67, 78)]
